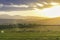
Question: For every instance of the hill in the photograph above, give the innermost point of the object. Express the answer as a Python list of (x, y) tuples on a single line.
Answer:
[(8, 19), (52, 21)]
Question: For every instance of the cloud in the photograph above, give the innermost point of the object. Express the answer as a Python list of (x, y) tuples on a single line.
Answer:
[(18, 2), (25, 6), (14, 9), (19, 5), (8, 2), (16, 5)]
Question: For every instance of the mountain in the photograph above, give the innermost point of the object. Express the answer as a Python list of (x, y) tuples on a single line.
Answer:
[(6, 16), (51, 21), (8, 19)]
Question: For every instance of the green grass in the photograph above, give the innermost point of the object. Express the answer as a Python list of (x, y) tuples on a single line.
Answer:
[(39, 33), (29, 35)]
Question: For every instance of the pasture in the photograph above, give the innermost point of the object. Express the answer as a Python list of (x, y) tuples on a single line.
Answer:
[(10, 35), (33, 33)]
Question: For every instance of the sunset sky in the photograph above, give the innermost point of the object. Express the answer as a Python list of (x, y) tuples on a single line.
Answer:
[(42, 8)]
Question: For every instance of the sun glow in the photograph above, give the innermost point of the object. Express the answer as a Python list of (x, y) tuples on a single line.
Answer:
[(51, 12), (54, 3)]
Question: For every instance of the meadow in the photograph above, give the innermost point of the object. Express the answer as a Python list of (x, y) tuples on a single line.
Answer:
[(10, 35), (25, 32)]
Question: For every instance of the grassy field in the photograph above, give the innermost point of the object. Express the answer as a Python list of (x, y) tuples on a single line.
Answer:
[(48, 33), (8, 35)]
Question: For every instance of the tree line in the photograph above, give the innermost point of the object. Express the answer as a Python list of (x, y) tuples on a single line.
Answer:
[(9, 26)]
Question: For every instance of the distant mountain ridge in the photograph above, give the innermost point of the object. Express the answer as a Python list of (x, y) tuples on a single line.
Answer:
[(7, 19), (52, 21), (6, 16)]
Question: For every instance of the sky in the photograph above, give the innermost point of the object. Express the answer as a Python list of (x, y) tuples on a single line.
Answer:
[(20, 7)]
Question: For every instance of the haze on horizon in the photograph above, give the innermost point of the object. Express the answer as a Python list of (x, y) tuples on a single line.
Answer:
[(41, 8)]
